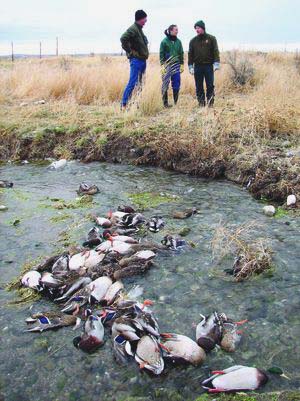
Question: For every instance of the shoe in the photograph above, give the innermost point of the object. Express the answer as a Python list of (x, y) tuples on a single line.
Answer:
[(165, 100), (175, 96), (210, 102)]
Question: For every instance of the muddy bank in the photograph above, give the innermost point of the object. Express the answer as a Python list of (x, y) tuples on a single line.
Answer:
[(272, 175)]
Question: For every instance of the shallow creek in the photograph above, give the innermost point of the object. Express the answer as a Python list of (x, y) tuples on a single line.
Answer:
[(48, 367)]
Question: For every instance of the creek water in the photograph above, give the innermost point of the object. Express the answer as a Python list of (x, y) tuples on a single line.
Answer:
[(182, 285)]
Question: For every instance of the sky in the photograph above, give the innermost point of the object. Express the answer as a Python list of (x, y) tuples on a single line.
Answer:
[(85, 26)]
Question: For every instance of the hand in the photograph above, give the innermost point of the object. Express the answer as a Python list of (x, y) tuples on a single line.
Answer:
[(191, 69), (181, 68), (133, 53), (163, 70), (216, 66)]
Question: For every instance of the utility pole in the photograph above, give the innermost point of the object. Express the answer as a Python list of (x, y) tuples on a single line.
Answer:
[(40, 49), (12, 52), (56, 46)]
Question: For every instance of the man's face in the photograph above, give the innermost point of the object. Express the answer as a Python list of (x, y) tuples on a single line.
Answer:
[(199, 30), (174, 31), (142, 22)]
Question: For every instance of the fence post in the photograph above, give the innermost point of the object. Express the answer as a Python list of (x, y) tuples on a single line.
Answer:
[(40, 49), (12, 52), (56, 46)]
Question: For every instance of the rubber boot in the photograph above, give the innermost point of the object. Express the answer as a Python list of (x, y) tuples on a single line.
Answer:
[(201, 100), (165, 100), (175, 96), (211, 101)]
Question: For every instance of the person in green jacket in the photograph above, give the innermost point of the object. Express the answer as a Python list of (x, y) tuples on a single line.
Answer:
[(203, 61), (171, 59), (135, 43)]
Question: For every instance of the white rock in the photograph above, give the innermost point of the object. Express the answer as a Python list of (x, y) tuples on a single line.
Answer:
[(3, 207), (291, 200), (269, 210), (23, 104), (58, 164)]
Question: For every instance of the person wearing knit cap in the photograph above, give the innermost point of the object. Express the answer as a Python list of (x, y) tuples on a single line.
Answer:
[(135, 44), (203, 61), (171, 57)]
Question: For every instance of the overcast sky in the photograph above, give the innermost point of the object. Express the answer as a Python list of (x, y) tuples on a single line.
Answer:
[(85, 26)]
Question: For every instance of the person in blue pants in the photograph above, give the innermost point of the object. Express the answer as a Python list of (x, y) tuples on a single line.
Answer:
[(137, 71), (135, 43), (171, 59)]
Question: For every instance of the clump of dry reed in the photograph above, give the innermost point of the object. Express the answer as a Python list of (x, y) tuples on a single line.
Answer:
[(252, 256)]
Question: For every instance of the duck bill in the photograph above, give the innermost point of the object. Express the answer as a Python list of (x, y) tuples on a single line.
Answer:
[(217, 390)]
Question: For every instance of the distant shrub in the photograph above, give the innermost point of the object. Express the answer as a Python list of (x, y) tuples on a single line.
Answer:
[(242, 69)]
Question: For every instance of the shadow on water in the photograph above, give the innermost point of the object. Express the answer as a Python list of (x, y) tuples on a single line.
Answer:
[(182, 285)]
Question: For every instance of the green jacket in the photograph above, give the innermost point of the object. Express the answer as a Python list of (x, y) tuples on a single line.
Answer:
[(171, 50), (135, 43), (203, 49)]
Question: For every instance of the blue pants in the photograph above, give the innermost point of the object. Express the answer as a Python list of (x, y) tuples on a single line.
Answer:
[(204, 72), (172, 74), (137, 70)]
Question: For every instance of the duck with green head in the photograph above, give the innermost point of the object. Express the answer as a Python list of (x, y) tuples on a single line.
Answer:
[(93, 335)]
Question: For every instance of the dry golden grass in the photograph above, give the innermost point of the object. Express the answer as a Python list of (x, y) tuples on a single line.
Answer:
[(269, 102), (252, 256)]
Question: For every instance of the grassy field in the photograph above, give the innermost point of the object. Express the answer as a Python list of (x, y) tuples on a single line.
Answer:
[(253, 132)]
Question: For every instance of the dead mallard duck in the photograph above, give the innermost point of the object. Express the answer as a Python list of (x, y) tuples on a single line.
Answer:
[(184, 214), (209, 331), (6, 184), (135, 268), (148, 355), (93, 335), (87, 189), (181, 348), (42, 321), (235, 378)]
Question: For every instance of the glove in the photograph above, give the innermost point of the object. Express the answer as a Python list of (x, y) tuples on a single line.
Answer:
[(216, 66), (133, 54), (191, 69), (163, 70), (181, 68)]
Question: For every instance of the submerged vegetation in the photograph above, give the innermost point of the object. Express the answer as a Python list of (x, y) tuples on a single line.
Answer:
[(81, 202), (148, 200)]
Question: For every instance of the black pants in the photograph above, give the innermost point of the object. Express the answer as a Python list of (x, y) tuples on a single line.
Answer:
[(204, 72)]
